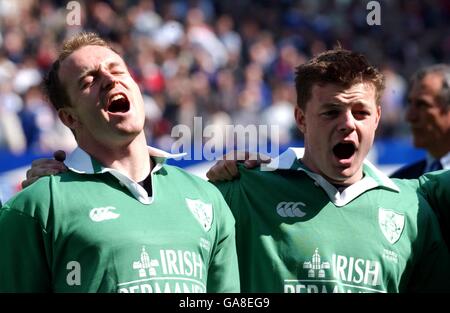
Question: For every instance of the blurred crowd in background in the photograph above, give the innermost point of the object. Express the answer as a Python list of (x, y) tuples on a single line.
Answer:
[(230, 62)]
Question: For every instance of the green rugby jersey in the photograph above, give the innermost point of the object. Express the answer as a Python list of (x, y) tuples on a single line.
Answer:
[(296, 232), (92, 229), (435, 187)]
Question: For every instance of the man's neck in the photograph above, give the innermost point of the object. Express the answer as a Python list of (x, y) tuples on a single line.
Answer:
[(131, 159), (342, 183)]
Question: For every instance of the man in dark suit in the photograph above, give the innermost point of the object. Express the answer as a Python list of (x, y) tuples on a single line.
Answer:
[(428, 114)]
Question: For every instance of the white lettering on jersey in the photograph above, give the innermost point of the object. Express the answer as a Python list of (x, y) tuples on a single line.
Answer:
[(168, 271), (342, 274), (205, 244), (390, 256), (177, 262), (165, 287), (356, 270), (103, 214), (171, 262)]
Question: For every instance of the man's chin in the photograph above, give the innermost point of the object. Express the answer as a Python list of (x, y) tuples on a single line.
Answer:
[(346, 176)]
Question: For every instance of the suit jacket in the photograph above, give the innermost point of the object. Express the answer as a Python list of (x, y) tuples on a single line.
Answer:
[(410, 171)]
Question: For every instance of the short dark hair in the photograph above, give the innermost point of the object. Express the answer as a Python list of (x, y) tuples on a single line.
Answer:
[(54, 88), (337, 66), (444, 71)]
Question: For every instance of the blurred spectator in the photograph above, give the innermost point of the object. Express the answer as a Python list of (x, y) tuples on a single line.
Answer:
[(254, 80), (429, 116), (12, 137), (211, 52), (263, 51), (392, 101), (231, 39), (289, 58), (145, 21), (227, 90), (27, 76), (281, 113)]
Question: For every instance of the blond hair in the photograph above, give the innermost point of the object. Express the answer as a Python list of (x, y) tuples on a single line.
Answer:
[(54, 88)]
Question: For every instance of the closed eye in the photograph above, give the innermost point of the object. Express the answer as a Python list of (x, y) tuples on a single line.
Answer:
[(88, 81), (330, 113)]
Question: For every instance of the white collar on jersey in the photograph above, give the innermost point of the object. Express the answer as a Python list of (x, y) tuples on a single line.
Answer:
[(373, 177), (81, 162)]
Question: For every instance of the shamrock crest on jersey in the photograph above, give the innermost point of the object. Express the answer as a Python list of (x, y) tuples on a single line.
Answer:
[(202, 212), (391, 224)]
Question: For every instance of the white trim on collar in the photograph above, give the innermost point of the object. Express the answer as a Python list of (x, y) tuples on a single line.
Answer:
[(80, 162), (372, 179)]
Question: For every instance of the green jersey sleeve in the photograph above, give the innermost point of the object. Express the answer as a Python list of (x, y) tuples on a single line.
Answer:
[(235, 197), (432, 270), (227, 191), (223, 274), (435, 187), (23, 242)]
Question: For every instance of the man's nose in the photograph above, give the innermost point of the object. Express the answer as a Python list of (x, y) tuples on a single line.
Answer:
[(347, 122), (108, 79)]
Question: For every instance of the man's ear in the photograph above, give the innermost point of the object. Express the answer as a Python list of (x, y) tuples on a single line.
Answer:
[(69, 118), (300, 119)]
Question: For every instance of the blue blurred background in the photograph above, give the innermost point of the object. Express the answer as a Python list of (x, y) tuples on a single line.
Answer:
[(229, 62)]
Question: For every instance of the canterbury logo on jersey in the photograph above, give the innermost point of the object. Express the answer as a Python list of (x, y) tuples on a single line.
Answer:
[(290, 209), (103, 214)]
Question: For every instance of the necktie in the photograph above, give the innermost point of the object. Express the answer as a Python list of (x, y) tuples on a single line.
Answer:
[(435, 166)]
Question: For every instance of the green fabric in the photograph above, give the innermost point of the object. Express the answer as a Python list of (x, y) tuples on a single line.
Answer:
[(86, 233), (292, 238), (435, 187)]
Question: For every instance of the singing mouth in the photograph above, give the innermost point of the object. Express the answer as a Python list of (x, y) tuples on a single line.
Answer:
[(118, 103), (344, 150)]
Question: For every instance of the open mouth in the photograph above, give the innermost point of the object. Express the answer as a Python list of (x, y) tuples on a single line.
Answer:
[(118, 104), (344, 150)]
